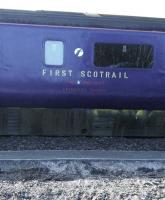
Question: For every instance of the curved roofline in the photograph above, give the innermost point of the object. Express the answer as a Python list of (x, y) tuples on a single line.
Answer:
[(82, 20)]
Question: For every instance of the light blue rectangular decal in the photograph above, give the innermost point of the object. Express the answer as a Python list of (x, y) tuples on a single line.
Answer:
[(54, 52)]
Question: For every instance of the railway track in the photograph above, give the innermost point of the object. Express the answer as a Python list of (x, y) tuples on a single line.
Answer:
[(83, 155)]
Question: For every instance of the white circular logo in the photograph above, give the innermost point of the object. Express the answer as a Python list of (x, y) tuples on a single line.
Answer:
[(79, 52)]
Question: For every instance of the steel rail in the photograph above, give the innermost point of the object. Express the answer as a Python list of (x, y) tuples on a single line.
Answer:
[(83, 155)]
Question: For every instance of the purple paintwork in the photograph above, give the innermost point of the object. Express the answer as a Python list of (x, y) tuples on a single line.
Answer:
[(24, 83)]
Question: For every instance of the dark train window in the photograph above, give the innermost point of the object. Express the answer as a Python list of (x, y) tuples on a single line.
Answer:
[(123, 55)]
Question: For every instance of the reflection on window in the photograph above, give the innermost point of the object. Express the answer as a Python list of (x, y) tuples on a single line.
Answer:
[(123, 55)]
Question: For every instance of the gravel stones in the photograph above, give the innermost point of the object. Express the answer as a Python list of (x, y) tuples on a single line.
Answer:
[(82, 180), (83, 143)]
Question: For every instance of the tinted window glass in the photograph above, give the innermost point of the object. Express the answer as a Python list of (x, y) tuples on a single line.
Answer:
[(123, 55)]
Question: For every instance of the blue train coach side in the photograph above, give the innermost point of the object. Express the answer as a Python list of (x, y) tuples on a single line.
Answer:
[(78, 61)]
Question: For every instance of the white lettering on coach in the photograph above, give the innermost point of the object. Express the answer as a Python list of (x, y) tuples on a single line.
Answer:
[(84, 74)]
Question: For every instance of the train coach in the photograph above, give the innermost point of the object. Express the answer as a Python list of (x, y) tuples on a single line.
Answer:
[(68, 60)]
